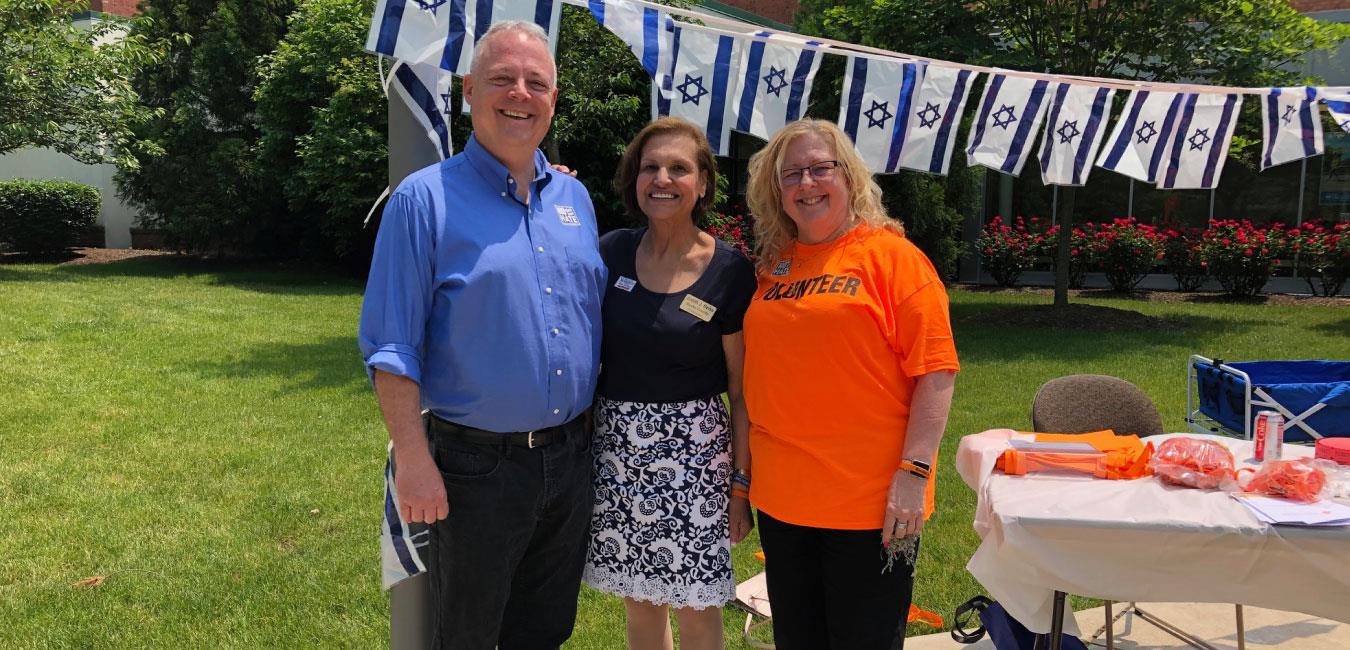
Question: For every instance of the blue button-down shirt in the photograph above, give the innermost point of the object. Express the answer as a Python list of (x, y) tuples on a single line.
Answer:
[(491, 304)]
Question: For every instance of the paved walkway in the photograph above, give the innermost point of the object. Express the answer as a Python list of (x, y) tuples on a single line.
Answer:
[(1215, 624)]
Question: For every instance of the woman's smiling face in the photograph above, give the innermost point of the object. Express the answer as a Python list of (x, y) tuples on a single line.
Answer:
[(669, 182)]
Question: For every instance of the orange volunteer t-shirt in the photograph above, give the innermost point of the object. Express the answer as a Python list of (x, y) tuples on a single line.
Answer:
[(834, 339)]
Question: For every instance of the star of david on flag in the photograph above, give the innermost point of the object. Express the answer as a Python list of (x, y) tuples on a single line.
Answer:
[(646, 31), (1010, 114), (1138, 141), (775, 83), (1339, 107), (936, 114), (876, 91), (703, 70), (443, 32), (1200, 146), (1075, 129), (425, 90), (1291, 128)]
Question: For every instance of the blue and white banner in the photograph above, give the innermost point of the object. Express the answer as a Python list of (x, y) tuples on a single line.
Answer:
[(1139, 141), (1200, 146), (643, 29), (400, 541), (1339, 107), (934, 119), (774, 84), (443, 32), (1005, 129), (877, 98), (1073, 133), (702, 80), (1291, 127), (425, 90)]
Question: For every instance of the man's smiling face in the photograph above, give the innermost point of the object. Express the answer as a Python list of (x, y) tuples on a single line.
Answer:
[(512, 92)]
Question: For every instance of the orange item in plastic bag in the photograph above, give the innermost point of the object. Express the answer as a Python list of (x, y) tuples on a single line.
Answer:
[(1120, 457), (920, 615), (1193, 463), (1291, 479)]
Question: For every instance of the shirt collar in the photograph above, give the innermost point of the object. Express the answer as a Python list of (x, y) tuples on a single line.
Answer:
[(496, 174)]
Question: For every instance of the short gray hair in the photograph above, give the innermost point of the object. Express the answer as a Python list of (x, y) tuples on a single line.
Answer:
[(525, 27)]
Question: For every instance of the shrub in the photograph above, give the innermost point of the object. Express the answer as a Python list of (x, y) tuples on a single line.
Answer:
[(1125, 250), (1323, 255), (1080, 251), (41, 217), (733, 228), (1006, 251), (1241, 256), (1181, 253)]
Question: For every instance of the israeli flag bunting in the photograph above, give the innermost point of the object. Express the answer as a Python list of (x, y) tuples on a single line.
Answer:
[(1291, 128), (444, 32), (775, 84), (400, 541), (1200, 146), (425, 89), (1010, 114), (875, 92), (643, 29), (1339, 107), (934, 118), (701, 82), (1138, 142), (1073, 133)]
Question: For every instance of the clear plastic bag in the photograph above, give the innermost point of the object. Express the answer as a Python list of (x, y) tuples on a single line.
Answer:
[(1304, 479), (1193, 463)]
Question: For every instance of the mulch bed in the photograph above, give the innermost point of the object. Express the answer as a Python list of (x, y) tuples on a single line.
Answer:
[(79, 256)]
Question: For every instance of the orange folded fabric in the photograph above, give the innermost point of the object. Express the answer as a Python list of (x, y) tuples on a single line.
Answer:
[(920, 615), (1121, 457)]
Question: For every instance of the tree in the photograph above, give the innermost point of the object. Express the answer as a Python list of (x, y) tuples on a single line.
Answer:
[(197, 176), (65, 87)]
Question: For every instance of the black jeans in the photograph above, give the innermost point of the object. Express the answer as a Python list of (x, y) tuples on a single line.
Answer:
[(505, 566), (827, 589)]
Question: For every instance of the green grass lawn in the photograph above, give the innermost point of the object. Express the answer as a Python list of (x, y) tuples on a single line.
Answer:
[(204, 438)]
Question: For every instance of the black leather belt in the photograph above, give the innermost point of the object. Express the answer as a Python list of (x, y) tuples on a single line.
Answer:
[(527, 439)]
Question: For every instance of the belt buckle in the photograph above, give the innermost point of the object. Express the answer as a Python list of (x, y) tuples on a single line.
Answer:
[(529, 440)]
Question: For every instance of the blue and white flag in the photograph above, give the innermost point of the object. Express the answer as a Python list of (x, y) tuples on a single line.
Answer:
[(400, 541), (1291, 128), (1200, 146), (775, 83), (425, 90), (877, 98), (643, 29), (1139, 141), (443, 32), (702, 80), (1005, 128), (934, 118), (1073, 133), (1338, 104)]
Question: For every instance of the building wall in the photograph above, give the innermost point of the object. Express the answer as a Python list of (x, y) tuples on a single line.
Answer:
[(782, 11), (115, 7), (116, 217)]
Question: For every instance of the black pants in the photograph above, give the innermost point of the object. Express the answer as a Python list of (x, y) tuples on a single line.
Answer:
[(505, 566), (827, 589)]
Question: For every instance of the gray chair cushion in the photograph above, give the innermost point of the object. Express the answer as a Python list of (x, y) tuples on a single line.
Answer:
[(1082, 403)]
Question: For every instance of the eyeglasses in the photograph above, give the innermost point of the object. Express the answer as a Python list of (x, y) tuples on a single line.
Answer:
[(821, 171)]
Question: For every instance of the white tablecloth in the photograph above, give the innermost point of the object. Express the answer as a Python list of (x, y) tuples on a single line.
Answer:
[(1141, 540)]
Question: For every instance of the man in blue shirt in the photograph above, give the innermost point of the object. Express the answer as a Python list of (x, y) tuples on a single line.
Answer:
[(483, 308)]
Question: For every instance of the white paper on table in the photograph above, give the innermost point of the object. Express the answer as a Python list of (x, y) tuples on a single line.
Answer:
[(1283, 511)]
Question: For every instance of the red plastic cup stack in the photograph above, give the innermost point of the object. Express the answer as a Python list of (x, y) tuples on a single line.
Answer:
[(1334, 449)]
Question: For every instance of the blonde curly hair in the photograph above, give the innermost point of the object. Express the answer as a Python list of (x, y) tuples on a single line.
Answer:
[(774, 229)]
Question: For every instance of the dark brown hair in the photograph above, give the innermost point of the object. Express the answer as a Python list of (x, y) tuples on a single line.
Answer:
[(625, 181)]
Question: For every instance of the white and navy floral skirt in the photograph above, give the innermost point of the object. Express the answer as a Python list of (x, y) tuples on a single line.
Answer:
[(659, 531)]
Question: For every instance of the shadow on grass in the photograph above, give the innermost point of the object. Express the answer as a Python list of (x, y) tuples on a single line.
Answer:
[(261, 277), (13, 274), (331, 363), (1335, 328)]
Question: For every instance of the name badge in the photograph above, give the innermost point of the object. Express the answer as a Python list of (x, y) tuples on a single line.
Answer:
[(567, 216), (625, 284), (783, 267), (698, 308)]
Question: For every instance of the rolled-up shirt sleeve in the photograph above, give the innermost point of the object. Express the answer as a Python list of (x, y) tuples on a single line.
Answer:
[(398, 295)]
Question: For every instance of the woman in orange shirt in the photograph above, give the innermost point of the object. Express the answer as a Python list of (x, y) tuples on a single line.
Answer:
[(849, 371)]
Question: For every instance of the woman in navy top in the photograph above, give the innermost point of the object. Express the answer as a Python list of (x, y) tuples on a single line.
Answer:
[(666, 506)]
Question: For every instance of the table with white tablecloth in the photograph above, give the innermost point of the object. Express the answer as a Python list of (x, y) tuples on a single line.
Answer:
[(1142, 540)]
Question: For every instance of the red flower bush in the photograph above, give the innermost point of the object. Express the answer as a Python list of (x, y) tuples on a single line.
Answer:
[(1125, 250), (734, 228), (1241, 256), (1323, 255), (1080, 251), (1006, 251), (1181, 253)]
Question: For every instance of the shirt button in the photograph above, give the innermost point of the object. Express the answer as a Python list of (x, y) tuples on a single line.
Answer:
[(558, 372), (555, 331), (503, 194), (555, 411), (548, 290), (540, 249)]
